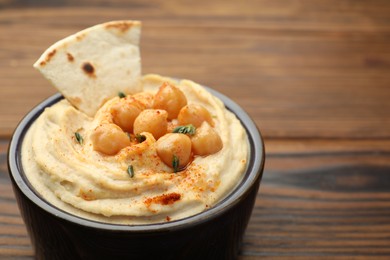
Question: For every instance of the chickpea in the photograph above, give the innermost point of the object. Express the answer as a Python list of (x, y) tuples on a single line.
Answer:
[(125, 113), (171, 145), (145, 99), (171, 99), (109, 139), (206, 140), (153, 121), (194, 114)]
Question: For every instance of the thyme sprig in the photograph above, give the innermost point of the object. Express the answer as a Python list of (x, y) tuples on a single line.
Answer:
[(175, 163), (140, 138), (186, 129), (79, 138), (130, 171), (121, 94)]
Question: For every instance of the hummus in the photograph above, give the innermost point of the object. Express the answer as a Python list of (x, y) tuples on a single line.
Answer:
[(70, 174)]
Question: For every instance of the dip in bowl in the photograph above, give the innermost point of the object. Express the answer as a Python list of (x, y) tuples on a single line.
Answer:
[(134, 162), (165, 169), (215, 233)]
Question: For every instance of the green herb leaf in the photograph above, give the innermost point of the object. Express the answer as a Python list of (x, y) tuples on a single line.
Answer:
[(79, 138), (130, 171), (187, 129), (175, 163), (140, 138), (121, 94)]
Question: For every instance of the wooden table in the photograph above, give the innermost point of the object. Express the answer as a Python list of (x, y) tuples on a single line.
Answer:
[(314, 75)]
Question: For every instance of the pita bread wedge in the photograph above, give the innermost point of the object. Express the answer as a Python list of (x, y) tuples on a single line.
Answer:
[(95, 64)]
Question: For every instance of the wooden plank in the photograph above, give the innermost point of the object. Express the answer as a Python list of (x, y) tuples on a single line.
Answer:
[(298, 69), (321, 204), (313, 201)]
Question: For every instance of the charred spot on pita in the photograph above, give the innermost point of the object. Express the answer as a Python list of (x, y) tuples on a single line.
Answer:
[(121, 26), (80, 36), (48, 57), (70, 57), (51, 54), (88, 69)]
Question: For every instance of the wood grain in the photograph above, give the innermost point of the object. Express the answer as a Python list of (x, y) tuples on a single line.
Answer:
[(312, 203), (313, 74), (282, 54), (320, 204)]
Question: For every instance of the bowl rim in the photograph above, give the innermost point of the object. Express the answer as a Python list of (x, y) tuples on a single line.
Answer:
[(253, 174)]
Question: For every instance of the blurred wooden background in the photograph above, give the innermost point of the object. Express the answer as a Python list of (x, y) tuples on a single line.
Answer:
[(313, 74)]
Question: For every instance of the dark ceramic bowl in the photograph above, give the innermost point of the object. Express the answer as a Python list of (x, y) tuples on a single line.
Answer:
[(213, 234)]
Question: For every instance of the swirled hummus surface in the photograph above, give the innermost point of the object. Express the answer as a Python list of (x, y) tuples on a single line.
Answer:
[(71, 174)]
